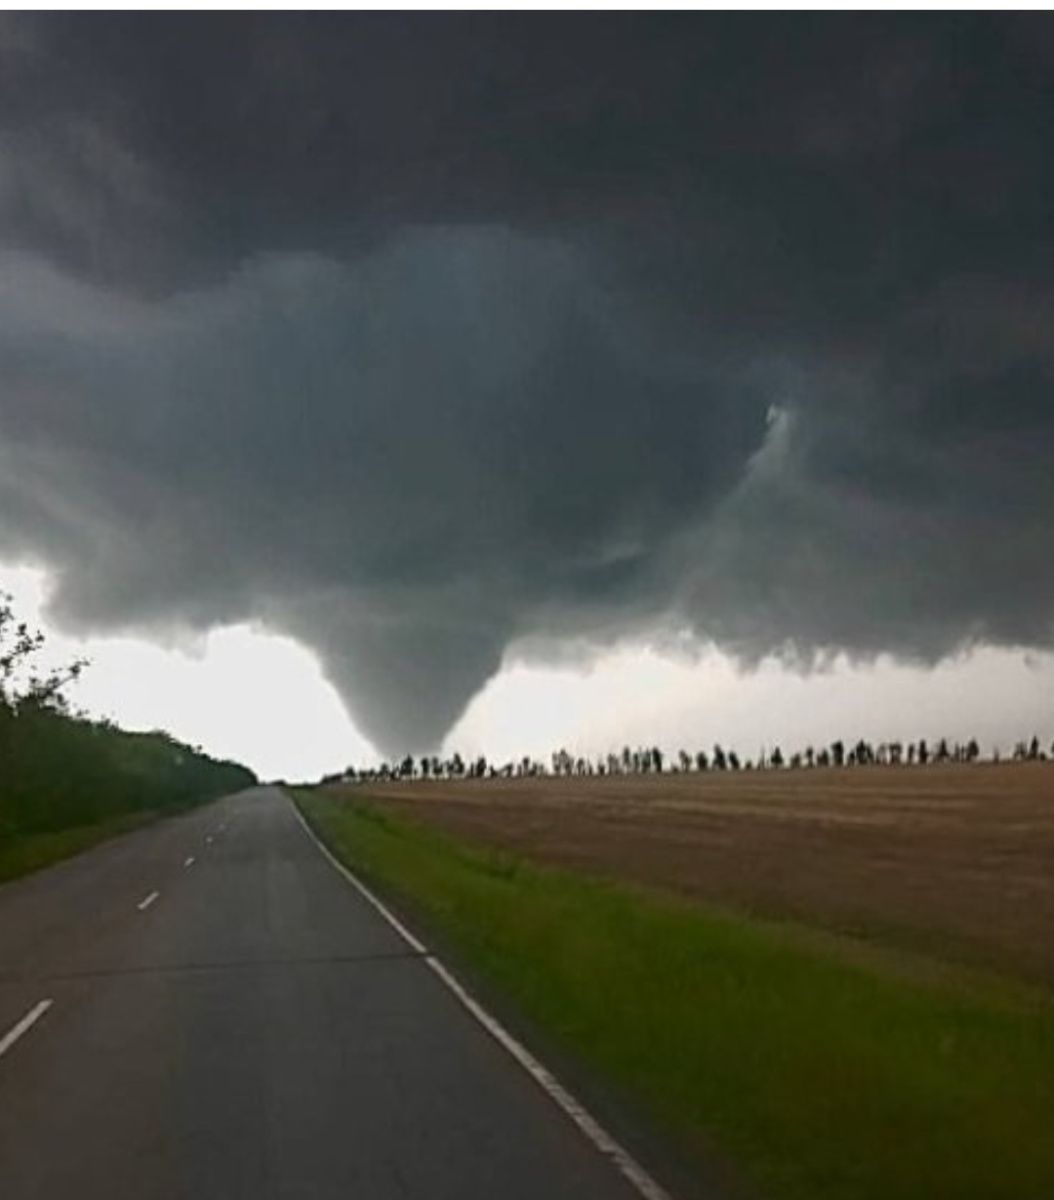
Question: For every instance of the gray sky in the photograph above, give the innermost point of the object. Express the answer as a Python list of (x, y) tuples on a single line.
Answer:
[(432, 342)]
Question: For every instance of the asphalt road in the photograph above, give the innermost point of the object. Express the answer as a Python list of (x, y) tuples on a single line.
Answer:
[(256, 1030)]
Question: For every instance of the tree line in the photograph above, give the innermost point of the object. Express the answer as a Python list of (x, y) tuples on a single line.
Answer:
[(651, 760), (60, 769)]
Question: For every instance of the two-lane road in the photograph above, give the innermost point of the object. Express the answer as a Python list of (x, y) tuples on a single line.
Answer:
[(229, 1018)]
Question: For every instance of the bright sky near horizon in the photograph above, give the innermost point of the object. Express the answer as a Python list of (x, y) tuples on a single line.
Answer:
[(261, 698)]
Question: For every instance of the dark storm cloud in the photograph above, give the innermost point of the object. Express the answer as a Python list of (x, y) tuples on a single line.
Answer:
[(417, 336)]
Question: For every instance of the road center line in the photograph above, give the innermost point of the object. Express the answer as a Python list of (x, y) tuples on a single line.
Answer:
[(145, 903), (23, 1026), (189, 860)]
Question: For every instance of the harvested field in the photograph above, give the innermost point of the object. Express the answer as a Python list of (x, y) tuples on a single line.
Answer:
[(952, 860)]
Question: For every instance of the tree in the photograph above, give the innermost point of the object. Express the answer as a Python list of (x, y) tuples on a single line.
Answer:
[(863, 753), (21, 683), (61, 769)]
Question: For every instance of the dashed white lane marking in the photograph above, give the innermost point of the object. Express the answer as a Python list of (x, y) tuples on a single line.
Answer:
[(146, 901), (23, 1026), (208, 839), (588, 1125), (189, 860)]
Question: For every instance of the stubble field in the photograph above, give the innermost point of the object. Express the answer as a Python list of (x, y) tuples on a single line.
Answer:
[(955, 861)]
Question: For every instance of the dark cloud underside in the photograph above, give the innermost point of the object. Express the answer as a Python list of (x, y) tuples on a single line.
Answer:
[(416, 334)]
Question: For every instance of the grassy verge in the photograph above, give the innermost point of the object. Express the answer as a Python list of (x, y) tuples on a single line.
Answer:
[(820, 1076), (24, 853)]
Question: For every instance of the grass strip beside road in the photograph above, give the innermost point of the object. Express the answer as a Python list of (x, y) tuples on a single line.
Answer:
[(819, 1077), (21, 854)]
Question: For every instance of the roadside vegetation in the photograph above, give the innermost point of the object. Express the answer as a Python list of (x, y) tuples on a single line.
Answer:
[(67, 781), (816, 1073), (25, 852)]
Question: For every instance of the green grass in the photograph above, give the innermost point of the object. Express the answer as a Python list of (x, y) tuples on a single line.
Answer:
[(817, 1075), (22, 853)]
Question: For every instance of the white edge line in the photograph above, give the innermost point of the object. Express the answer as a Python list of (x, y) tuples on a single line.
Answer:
[(23, 1026), (361, 888), (587, 1124), (145, 903)]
